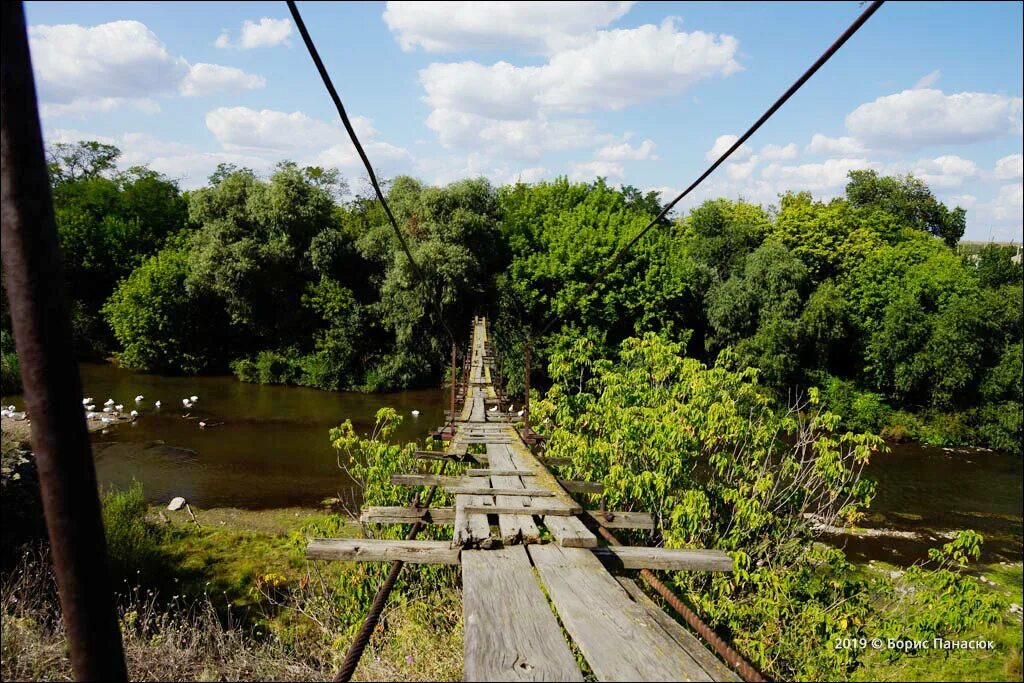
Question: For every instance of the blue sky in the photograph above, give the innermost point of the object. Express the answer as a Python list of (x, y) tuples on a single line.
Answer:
[(640, 93)]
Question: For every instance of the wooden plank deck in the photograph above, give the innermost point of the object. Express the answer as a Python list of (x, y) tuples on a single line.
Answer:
[(619, 638), (514, 613), (510, 631)]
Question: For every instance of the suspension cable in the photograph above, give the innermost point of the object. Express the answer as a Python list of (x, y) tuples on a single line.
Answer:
[(825, 56), (329, 84)]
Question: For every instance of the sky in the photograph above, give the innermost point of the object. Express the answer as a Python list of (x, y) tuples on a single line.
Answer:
[(643, 94)]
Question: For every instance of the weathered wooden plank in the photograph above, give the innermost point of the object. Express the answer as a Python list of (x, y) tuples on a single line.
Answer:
[(522, 458), (576, 486), (498, 472), (466, 489), (405, 515), (570, 532), (378, 550), (618, 638), (510, 631), (426, 480), (673, 559), (689, 642), (445, 457), (471, 528), (538, 506), (514, 528), (622, 520)]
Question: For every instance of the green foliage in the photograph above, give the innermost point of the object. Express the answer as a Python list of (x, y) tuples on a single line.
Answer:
[(10, 368), (862, 411), (161, 322), (909, 199), (133, 542)]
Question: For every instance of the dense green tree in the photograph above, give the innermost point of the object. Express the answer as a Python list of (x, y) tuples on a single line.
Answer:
[(909, 199)]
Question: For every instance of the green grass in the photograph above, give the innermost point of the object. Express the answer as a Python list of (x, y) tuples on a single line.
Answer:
[(1001, 664)]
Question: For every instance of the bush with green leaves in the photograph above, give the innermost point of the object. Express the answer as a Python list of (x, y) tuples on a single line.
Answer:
[(10, 367)]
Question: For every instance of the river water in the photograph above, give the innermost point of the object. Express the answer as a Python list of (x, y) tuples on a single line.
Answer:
[(270, 449)]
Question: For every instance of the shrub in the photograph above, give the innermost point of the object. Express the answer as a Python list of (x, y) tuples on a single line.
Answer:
[(861, 411), (10, 368), (133, 542)]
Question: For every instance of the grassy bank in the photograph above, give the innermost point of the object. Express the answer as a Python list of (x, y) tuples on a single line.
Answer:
[(231, 599)]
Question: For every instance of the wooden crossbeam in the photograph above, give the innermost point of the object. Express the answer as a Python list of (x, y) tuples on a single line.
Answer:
[(498, 473), (493, 491), (377, 550), (673, 559), (446, 516), (570, 532), (576, 486)]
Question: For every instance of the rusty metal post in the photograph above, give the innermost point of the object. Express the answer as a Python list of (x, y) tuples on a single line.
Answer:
[(526, 383), (452, 413), (49, 372)]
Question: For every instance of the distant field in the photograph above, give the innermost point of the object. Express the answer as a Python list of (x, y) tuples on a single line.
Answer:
[(974, 246)]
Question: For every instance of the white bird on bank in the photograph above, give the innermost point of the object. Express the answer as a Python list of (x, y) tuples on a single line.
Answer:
[(119, 407), (134, 413), (194, 398), (511, 408), (415, 413), (106, 420), (520, 413), (158, 404), (86, 401), (138, 399), (90, 407), (494, 409), (109, 402), (202, 425), (108, 409), (187, 403), (10, 409)]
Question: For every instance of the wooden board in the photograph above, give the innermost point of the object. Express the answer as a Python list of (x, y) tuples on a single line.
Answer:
[(471, 528), (522, 458), (405, 515), (575, 486), (618, 638), (498, 472), (538, 506), (689, 642), (623, 520), (377, 550), (510, 632), (517, 528), (570, 532), (674, 559), (492, 491)]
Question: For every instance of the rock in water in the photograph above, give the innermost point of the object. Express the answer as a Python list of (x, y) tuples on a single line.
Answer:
[(176, 503)]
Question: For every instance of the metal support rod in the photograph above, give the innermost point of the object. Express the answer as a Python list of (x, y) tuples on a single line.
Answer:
[(526, 383), (721, 648), (452, 407), (49, 372), (362, 639)]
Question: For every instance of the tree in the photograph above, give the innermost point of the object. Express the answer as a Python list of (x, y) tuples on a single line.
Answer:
[(909, 199), (69, 161)]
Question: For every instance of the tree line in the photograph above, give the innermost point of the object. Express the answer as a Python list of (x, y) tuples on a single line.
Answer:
[(294, 279)]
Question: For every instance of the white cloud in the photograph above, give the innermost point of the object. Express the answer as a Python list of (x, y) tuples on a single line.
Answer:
[(533, 26), (823, 177), (614, 70), (928, 80), (214, 79), (1008, 204), (120, 61), (295, 135), (841, 146), (267, 33), (779, 153), (589, 170), (721, 146), (743, 170), (1009, 168), (625, 152), (520, 138), (87, 69), (531, 175), (945, 172), (918, 118)]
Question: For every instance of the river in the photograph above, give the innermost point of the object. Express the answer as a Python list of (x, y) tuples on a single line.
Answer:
[(270, 449)]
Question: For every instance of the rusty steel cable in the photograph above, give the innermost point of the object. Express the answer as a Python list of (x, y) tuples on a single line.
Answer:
[(721, 648), (49, 372), (825, 56), (362, 639), (329, 84)]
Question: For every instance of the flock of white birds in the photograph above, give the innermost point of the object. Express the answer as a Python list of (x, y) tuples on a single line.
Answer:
[(111, 412)]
